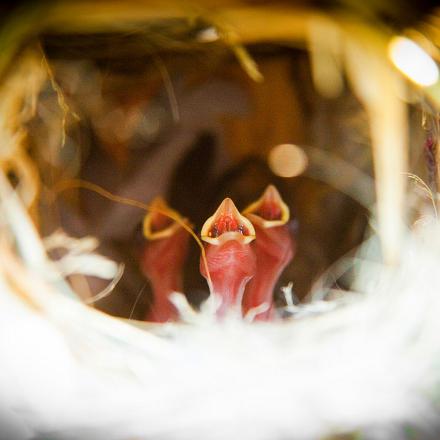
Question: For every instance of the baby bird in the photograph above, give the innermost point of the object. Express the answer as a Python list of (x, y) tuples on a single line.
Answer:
[(274, 249), (230, 258), (163, 257)]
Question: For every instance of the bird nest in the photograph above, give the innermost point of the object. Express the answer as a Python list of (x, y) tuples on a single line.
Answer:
[(358, 360)]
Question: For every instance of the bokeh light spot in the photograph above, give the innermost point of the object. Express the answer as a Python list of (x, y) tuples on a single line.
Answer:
[(287, 160), (413, 61)]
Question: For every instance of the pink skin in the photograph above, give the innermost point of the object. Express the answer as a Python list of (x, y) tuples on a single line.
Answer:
[(274, 250), (231, 265), (230, 258), (162, 262)]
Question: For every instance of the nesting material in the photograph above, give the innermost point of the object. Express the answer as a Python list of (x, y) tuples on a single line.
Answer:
[(367, 362), (364, 363)]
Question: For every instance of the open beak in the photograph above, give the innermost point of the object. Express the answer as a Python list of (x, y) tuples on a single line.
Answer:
[(269, 210), (230, 258), (274, 249), (163, 257)]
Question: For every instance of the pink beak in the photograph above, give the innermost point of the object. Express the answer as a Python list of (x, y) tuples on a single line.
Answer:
[(162, 259), (230, 258), (274, 249)]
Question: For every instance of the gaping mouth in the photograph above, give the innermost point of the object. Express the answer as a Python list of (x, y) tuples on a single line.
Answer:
[(227, 224), (269, 210), (161, 220)]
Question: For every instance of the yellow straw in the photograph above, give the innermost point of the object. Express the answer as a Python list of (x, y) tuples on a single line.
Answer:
[(78, 183)]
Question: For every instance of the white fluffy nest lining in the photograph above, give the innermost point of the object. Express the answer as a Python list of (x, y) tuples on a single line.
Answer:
[(366, 363)]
